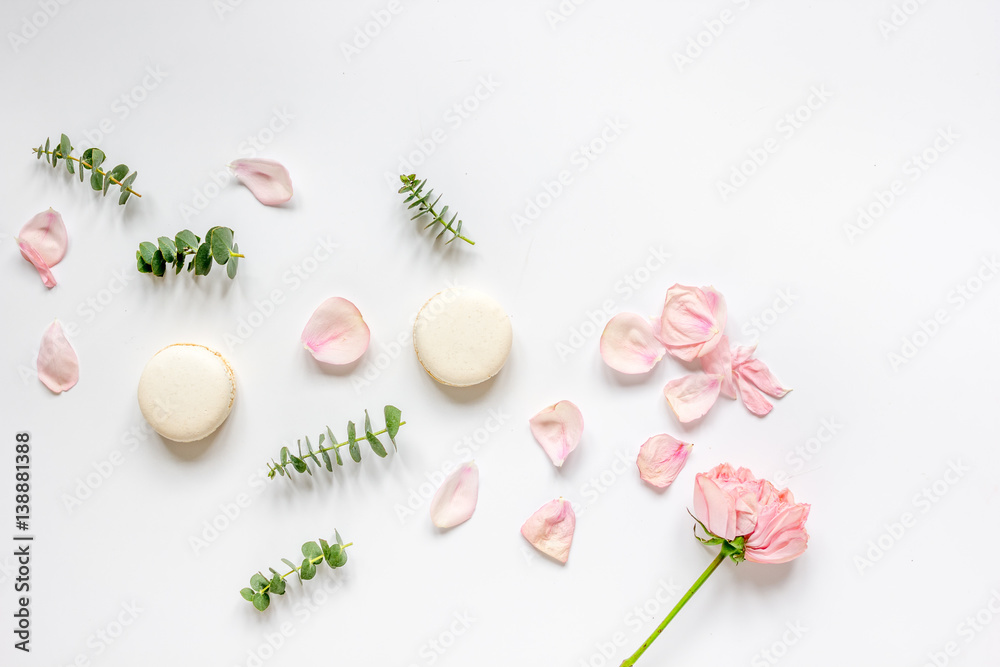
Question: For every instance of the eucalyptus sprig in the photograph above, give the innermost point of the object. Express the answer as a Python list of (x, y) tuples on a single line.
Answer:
[(299, 463), (218, 245), (91, 159), (417, 198), (260, 589)]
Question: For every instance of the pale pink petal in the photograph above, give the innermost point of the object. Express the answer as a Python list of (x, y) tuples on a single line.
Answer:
[(550, 529), (558, 429), (628, 344), (780, 534), (692, 321), (752, 398), (661, 459), (691, 396), (455, 500), (742, 353), (336, 333), (58, 365), (719, 362), (32, 256), (266, 179), (46, 233), (757, 373), (714, 507)]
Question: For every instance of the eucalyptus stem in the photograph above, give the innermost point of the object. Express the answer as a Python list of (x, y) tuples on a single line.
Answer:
[(261, 588), (91, 159), (417, 198), (91, 167), (294, 570), (673, 612)]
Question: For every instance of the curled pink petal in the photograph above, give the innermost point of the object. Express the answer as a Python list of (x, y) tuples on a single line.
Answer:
[(693, 395), (661, 459), (551, 528), (752, 398), (58, 365), (741, 353), (336, 333), (32, 256), (780, 534), (455, 500), (558, 429), (629, 345), (714, 507), (266, 179), (46, 233), (719, 362), (757, 373), (692, 321)]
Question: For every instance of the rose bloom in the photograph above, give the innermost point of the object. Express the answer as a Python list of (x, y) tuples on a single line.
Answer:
[(733, 503)]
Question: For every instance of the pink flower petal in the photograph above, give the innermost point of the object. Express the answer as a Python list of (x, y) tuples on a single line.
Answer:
[(758, 374), (551, 528), (741, 353), (752, 398), (692, 321), (714, 506), (336, 333), (780, 534), (266, 179), (661, 459), (693, 395), (58, 365), (32, 256), (46, 233), (455, 500), (628, 344), (558, 429), (719, 362)]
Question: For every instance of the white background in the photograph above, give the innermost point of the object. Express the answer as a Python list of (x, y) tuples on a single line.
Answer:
[(354, 116)]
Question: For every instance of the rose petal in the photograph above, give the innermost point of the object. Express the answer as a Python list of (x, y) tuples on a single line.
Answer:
[(558, 429), (661, 459), (714, 507), (757, 373), (691, 396), (455, 500), (692, 321), (32, 256), (752, 398), (266, 179), (336, 333), (741, 353), (58, 365), (46, 233), (719, 362), (780, 534), (550, 529), (628, 344)]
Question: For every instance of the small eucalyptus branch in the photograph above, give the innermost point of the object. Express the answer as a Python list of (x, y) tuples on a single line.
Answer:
[(414, 189), (261, 588), (91, 159), (218, 245), (300, 463)]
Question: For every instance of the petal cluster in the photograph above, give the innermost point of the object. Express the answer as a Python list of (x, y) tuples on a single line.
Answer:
[(43, 241)]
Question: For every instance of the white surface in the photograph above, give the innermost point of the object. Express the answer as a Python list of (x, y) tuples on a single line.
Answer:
[(546, 92)]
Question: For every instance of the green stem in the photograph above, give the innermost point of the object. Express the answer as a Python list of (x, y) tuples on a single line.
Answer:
[(429, 208), (673, 612), (84, 164), (330, 448), (314, 561)]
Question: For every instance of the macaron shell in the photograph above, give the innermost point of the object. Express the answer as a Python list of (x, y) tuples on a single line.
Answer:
[(186, 391)]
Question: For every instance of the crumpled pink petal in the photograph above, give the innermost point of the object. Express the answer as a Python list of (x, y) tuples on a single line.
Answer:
[(551, 528), (558, 429), (336, 333), (58, 365), (693, 321), (266, 179), (661, 459), (629, 345), (691, 396), (43, 241), (780, 534), (719, 362), (456, 498), (755, 379)]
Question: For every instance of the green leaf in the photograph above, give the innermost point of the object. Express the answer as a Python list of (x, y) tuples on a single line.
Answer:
[(96, 180), (233, 263), (107, 182), (203, 260), (284, 456), (97, 158), (247, 593), (147, 250), (308, 570), (392, 417), (298, 464), (46, 144), (186, 239), (124, 197), (277, 585), (179, 264), (258, 581), (352, 443), (261, 600), (338, 556), (333, 443), (372, 440), (126, 184), (158, 264), (292, 566), (325, 546), (119, 172), (141, 264), (311, 550), (326, 459), (167, 247), (222, 243), (87, 158)]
